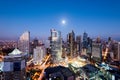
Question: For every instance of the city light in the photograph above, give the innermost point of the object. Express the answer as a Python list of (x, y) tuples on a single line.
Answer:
[(45, 40)]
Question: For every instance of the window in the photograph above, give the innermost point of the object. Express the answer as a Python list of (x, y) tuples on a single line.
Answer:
[(17, 66)]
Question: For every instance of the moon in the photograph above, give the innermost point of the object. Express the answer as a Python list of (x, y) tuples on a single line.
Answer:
[(63, 21)]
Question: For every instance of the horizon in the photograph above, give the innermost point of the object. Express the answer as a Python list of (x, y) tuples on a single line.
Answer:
[(64, 38)]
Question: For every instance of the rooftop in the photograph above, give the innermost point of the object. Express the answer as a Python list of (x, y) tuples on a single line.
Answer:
[(15, 52), (63, 70)]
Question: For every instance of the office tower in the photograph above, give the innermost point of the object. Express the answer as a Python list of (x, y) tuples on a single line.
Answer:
[(118, 51), (33, 45), (24, 42), (115, 50), (64, 49), (71, 42), (13, 66), (78, 44), (56, 45), (38, 55), (84, 44), (89, 48), (96, 51), (109, 39), (35, 42), (98, 40), (85, 40)]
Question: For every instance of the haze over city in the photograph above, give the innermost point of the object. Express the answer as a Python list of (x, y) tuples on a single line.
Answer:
[(96, 17)]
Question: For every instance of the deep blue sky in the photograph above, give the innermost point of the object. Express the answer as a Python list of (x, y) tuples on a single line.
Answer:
[(96, 17)]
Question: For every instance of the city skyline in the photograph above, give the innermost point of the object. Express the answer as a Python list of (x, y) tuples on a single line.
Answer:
[(96, 17)]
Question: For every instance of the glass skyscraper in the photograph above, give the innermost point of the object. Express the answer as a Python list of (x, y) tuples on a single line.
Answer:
[(56, 45), (24, 42)]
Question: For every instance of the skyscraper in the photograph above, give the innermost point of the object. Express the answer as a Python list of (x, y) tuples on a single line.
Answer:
[(35, 42), (71, 44), (96, 51), (119, 51), (89, 48), (56, 45), (39, 53), (85, 36), (24, 42), (84, 43), (33, 45), (78, 44)]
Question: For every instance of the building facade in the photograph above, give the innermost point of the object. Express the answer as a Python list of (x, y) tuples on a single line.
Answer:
[(39, 53), (56, 45), (85, 40), (78, 45), (118, 51), (96, 51), (24, 42), (84, 44), (71, 44), (13, 66)]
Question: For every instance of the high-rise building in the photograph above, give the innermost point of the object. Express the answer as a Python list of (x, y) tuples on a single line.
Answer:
[(33, 45), (78, 44), (109, 39), (71, 44), (98, 40), (39, 53), (115, 50), (35, 42), (85, 40), (96, 51), (56, 45), (84, 44), (13, 66), (119, 51), (89, 48), (24, 42)]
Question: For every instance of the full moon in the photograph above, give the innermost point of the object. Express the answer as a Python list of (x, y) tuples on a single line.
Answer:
[(63, 22)]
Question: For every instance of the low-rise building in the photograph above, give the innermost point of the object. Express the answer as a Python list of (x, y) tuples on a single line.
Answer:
[(59, 73), (12, 66)]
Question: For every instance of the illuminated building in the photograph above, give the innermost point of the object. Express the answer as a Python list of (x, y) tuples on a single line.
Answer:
[(71, 42), (56, 45), (112, 51), (13, 66), (89, 72), (78, 44), (85, 40), (118, 51), (24, 42), (89, 48), (4, 44), (115, 50), (84, 43), (96, 51), (39, 53), (33, 45)]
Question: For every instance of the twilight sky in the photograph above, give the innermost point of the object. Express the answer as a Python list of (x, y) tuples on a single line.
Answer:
[(96, 17)]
